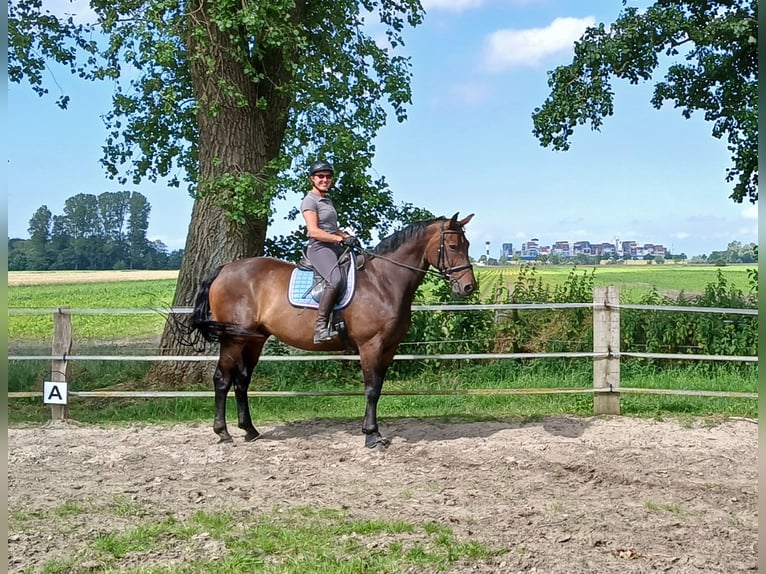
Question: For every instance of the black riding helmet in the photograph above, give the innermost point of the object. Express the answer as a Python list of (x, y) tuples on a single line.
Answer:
[(321, 165)]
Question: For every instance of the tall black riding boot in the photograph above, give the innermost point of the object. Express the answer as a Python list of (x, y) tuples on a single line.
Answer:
[(322, 331)]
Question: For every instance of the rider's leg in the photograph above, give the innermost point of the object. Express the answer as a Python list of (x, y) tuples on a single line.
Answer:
[(322, 330), (324, 258)]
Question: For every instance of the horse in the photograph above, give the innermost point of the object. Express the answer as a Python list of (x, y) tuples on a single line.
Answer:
[(244, 302)]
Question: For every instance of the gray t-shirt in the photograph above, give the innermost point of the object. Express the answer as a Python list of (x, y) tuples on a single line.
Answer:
[(327, 217)]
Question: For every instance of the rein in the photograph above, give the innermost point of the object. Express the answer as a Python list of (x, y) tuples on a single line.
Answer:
[(374, 255), (442, 270)]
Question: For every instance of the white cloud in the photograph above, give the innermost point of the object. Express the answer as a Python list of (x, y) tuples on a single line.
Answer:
[(451, 5), (514, 48), (750, 212)]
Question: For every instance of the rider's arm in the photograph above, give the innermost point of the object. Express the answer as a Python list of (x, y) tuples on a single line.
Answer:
[(314, 231)]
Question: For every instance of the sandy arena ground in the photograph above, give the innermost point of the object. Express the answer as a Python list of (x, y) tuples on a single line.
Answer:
[(562, 495)]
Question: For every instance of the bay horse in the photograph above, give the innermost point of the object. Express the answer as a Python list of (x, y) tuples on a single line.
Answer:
[(243, 303)]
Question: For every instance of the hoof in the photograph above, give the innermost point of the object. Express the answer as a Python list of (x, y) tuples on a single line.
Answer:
[(376, 441), (224, 435), (227, 439), (252, 435)]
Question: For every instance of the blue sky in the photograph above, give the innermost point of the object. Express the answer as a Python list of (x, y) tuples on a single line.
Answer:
[(479, 71)]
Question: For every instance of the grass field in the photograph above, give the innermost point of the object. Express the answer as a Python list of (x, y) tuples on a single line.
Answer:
[(155, 289), (634, 281), (137, 334), (133, 294)]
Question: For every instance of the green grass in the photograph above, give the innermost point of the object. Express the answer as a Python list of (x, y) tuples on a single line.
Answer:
[(634, 281), (157, 294), (283, 541), (329, 376), (99, 334)]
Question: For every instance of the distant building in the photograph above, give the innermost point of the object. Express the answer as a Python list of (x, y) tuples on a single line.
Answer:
[(581, 248), (654, 249), (564, 249), (630, 250), (561, 248), (604, 249), (530, 250)]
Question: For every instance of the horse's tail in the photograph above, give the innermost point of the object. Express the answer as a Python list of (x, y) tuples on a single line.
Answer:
[(201, 323), (190, 332), (200, 317)]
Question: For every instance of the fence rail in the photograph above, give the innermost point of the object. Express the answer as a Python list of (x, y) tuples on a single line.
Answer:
[(455, 307), (437, 392), (606, 354), (204, 358)]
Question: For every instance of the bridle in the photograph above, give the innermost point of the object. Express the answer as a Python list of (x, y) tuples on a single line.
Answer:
[(443, 269), (442, 263)]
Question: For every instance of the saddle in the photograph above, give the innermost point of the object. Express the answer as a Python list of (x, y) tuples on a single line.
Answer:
[(306, 284)]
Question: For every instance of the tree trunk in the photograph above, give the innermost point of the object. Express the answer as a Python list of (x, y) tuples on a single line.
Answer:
[(212, 241), (235, 140)]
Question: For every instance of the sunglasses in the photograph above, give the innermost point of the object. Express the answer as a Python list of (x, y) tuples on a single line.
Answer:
[(323, 175)]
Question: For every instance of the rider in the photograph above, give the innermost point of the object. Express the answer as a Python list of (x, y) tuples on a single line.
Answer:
[(326, 242)]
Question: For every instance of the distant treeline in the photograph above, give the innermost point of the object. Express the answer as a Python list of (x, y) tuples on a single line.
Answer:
[(106, 231)]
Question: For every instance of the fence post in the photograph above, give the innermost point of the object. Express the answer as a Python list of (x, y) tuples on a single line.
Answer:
[(606, 339), (62, 345)]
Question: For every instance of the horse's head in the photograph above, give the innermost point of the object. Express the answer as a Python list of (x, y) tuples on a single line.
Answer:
[(450, 256)]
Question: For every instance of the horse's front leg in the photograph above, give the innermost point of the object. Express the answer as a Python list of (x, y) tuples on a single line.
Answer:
[(374, 371)]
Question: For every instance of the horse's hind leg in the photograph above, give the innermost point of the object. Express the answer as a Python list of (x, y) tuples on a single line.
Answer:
[(222, 380), (250, 356)]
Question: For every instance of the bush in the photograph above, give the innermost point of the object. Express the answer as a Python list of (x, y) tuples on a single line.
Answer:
[(571, 330), (699, 333)]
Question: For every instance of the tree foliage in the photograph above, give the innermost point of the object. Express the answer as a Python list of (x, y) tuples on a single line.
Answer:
[(36, 38), (713, 53), (234, 99), (313, 75)]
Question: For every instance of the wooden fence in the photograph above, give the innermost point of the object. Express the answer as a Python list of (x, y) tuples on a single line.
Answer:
[(606, 355)]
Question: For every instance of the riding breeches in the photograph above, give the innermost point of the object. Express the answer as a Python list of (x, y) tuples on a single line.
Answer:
[(324, 258)]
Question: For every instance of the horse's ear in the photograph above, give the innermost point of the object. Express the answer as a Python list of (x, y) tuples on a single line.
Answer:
[(465, 219)]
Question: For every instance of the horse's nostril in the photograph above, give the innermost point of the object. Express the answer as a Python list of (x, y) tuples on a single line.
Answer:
[(468, 289)]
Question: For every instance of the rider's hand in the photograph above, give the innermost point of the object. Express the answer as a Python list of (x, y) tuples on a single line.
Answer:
[(351, 241)]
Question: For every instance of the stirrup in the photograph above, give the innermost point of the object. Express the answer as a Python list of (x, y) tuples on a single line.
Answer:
[(324, 335)]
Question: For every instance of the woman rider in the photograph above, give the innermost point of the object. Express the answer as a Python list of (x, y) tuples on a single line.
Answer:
[(325, 242)]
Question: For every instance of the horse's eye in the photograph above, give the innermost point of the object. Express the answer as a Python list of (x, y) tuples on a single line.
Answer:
[(452, 247)]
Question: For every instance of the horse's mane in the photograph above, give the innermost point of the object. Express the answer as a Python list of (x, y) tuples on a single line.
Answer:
[(396, 240)]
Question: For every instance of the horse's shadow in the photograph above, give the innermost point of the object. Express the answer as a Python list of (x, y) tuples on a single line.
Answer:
[(428, 429)]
